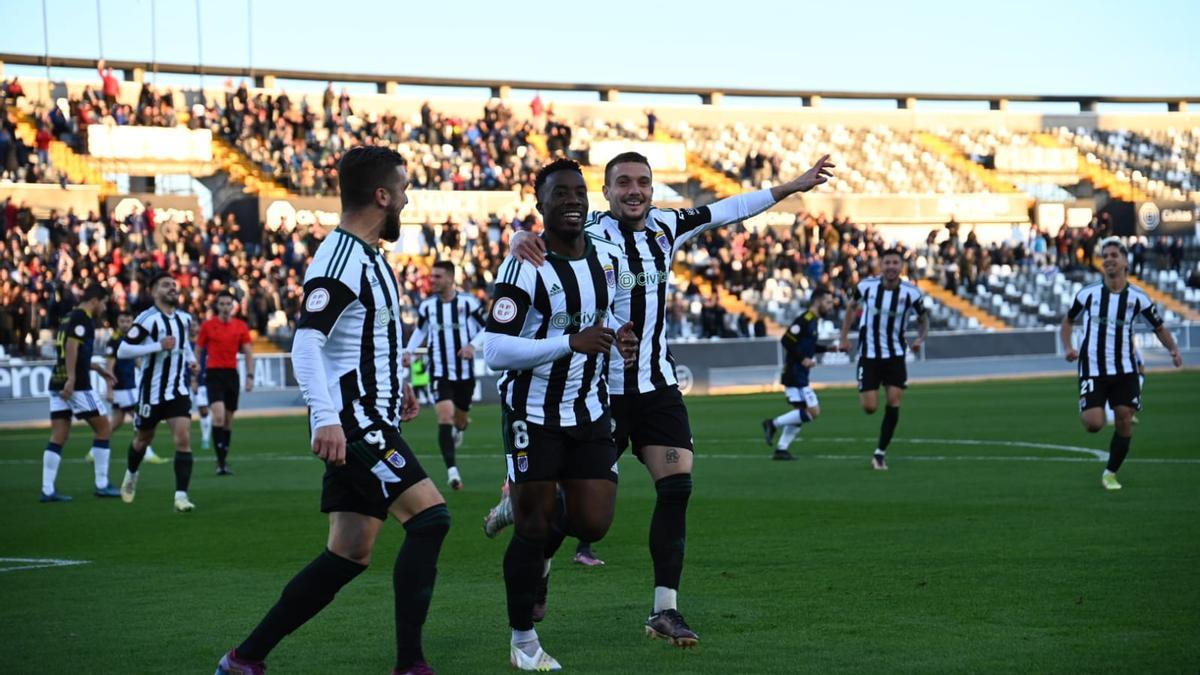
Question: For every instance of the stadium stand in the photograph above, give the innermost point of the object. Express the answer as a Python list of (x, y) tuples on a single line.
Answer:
[(744, 281)]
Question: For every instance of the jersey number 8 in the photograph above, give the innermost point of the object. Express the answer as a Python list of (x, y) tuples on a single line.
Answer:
[(520, 435)]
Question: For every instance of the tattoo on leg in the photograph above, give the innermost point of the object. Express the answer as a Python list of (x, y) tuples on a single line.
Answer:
[(672, 456)]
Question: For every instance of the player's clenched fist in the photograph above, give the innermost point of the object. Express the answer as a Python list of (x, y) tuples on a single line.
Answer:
[(593, 340), (329, 443)]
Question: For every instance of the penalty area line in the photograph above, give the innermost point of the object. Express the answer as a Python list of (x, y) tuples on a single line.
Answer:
[(37, 563)]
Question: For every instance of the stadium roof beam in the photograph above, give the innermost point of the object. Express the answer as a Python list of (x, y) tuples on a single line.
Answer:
[(265, 77)]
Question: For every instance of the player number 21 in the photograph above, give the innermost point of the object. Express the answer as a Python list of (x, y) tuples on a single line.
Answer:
[(1087, 386), (520, 435)]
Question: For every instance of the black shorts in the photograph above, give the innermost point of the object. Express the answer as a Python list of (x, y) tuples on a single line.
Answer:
[(1115, 390), (459, 391), (539, 453), (148, 416), (223, 387), (379, 468), (655, 418), (891, 372)]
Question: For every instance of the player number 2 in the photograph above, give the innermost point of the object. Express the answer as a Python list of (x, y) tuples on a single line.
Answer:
[(520, 435), (1086, 387)]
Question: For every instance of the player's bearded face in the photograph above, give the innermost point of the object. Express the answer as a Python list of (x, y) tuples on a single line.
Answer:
[(391, 218), (168, 293), (629, 189)]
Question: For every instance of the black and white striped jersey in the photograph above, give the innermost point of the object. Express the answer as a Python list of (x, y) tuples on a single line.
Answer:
[(545, 382), (1108, 347), (885, 317), (447, 327), (647, 278), (165, 375), (347, 348)]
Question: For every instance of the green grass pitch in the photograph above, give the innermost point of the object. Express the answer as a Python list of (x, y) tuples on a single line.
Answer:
[(988, 555)]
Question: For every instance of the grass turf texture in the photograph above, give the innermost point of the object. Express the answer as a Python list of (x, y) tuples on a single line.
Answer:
[(819, 565)]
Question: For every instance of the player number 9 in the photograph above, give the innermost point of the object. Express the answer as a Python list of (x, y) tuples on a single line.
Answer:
[(520, 435)]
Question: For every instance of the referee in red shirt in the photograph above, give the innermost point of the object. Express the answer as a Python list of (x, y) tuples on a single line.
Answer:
[(221, 338)]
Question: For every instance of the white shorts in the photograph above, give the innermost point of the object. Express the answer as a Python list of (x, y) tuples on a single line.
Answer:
[(125, 399), (200, 398), (83, 404), (805, 395)]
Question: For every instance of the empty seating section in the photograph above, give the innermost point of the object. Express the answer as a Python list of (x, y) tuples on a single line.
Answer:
[(879, 160)]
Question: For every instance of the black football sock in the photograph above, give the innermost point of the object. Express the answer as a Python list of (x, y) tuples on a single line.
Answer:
[(891, 416), (133, 459), (306, 594), (221, 444), (584, 547), (805, 418), (1118, 449), (558, 527), (446, 443), (183, 470), (522, 572), (668, 528), (413, 578)]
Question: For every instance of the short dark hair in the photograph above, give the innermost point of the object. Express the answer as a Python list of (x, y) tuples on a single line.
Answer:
[(625, 158), (124, 312), (1113, 241), (817, 294), (95, 291), (363, 170), (446, 265), (226, 293), (158, 276), (560, 164), (891, 251)]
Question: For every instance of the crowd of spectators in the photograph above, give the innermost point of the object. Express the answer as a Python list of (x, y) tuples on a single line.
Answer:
[(299, 145), (67, 120), (47, 261)]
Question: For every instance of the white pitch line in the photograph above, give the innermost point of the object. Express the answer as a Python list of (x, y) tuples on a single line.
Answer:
[(39, 563), (1093, 454)]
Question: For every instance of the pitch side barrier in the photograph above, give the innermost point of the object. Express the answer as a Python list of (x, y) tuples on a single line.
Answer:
[(713, 366)]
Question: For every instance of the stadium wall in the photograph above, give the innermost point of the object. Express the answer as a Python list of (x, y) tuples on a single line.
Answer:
[(704, 366)]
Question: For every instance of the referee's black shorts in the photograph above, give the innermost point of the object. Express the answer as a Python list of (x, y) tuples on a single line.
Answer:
[(223, 386)]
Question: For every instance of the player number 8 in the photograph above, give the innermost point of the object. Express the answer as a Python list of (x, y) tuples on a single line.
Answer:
[(1086, 387), (520, 435)]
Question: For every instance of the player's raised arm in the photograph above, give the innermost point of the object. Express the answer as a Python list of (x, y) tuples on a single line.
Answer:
[(692, 222)]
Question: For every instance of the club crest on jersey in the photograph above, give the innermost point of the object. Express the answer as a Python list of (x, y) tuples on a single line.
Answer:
[(81, 331), (662, 242), (395, 459), (522, 462), (610, 275), (384, 317)]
